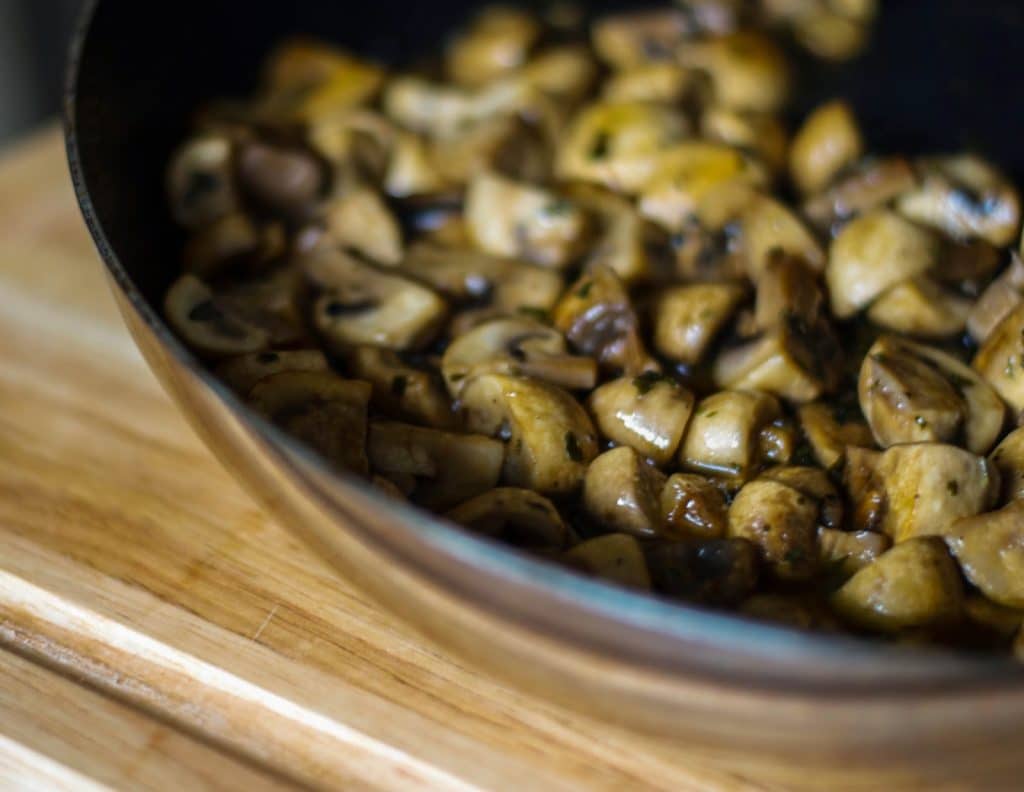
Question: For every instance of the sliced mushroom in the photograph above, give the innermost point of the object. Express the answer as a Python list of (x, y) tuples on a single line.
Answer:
[(232, 242), (1008, 459), (652, 82), (617, 558), (508, 218), (1001, 358), (915, 584), (921, 307), (410, 170), (724, 438), (243, 372), (597, 317), (769, 229), (693, 506), (359, 304), (870, 185), (639, 37), (872, 254), (619, 144), (358, 145), (450, 468), (718, 572), (990, 549), (518, 516), (998, 301), (286, 181), (782, 523), (496, 43), (648, 413), (402, 390), (816, 485), (621, 492), (268, 301), (913, 393), (918, 489), (505, 144), (564, 72), (787, 288), (517, 346), (550, 439), (687, 319), (847, 552), (202, 321), (200, 181), (761, 133), (828, 142), (748, 71), (361, 220), (320, 409), (829, 433), (965, 197)]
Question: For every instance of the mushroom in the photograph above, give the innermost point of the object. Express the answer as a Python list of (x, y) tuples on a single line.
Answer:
[(281, 180), (598, 319), (232, 242), (360, 219), (1001, 297), (918, 489), (687, 319), (921, 307), (518, 346), (725, 437), (847, 552), (717, 572), (320, 409), (357, 144), (266, 300), (782, 523), (990, 550), (913, 393), (1001, 358), (359, 304), (872, 254), (915, 584), (508, 218), (1008, 459), (648, 413), (694, 507), (204, 323), (616, 558), (504, 144), (200, 181), (564, 72), (518, 516), (1002, 621), (787, 288), (550, 439), (827, 143), (651, 82), (829, 433), (619, 145), (621, 492), (747, 69), (410, 169), (496, 43), (870, 185), (400, 389), (965, 197), (761, 133), (637, 38), (769, 229), (241, 373), (449, 468), (815, 484)]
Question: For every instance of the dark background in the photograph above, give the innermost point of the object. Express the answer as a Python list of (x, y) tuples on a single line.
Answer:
[(33, 40)]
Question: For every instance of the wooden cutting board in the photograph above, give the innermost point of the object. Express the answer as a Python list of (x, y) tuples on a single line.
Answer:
[(157, 630)]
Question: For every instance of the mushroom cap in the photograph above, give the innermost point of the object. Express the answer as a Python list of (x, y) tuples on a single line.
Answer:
[(615, 558), (688, 318), (782, 522), (748, 71), (693, 506), (241, 373), (206, 325), (495, 43), (200, 181), (519, 516), (990, 549), (1008, 459), (1000, 360), (829, 140), (621, 492)]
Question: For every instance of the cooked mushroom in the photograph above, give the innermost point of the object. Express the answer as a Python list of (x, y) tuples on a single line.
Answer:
[(360, 219), (724, 438), (243, 372), (639, 37), (505, 144), (915, 584), (913, 393), (687, 319), (693, 506), (321, 409), (518, 516), (829, 432), (231, 242), (496, 43), (828, 142), (850, 551), (1001, 358), (621, 492), (402, 390), (196, 313), (508, 218), (719, 572), (965, 197), (648, 413), (200, 181), (1008, 459), (653, 82), (990, 549), (1003, 621), (564, 72), (747, 70), (410, 171), (761, 133), (787, 288), (918, 489), (816, 485), (359, 304), (872, 254), (770, 229), (830, 35), (617, 558), (998, 301), (549, 436), (782, 523), (921, 307), (283, 180), (870, 185), (517, 346), (597, 317)]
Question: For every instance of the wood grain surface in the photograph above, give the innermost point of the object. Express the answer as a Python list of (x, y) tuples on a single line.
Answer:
[(158, 631)]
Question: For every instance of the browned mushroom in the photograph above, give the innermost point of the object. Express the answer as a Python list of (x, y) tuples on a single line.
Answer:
[(828, 142), (621, 492)]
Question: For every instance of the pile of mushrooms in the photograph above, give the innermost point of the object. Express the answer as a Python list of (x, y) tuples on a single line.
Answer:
[(550, 290)]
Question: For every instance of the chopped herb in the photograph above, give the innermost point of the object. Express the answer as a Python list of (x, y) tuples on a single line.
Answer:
[(602, 143), (584, 290), (533, 312), (399, 384), (710, 414), (953, 487), (572, 447)]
